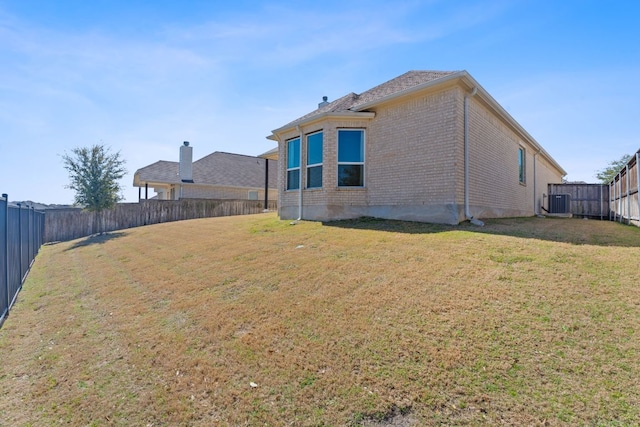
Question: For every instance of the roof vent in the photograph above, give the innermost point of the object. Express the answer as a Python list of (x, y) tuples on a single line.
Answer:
[(324, 102)]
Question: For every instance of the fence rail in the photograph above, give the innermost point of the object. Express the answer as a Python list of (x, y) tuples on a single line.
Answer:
[(69, 224), (623, 193), (21, 235)]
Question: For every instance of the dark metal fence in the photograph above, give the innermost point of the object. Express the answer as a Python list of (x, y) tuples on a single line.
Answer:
[(21, 235)]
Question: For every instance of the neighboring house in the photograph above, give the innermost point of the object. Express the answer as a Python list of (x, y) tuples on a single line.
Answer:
[(216, 176), (426, 146)]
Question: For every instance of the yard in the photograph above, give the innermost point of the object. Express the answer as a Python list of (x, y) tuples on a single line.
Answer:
[(254, 321)]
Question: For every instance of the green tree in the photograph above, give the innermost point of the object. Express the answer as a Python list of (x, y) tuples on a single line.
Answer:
[(607, 174), (94, 174)]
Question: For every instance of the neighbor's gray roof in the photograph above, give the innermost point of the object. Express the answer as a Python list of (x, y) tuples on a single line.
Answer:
[(218, 168), (352, 101), (160, 171)]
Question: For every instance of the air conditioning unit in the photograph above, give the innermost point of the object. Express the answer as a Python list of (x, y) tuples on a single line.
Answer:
[(559, 203)]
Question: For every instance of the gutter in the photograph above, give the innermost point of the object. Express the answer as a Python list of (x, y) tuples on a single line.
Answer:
[(467, 213), (467, 80)]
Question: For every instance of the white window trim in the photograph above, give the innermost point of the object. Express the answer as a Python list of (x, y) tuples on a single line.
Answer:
[(313, 165), (522, 181), (364, 156), (298, 168)]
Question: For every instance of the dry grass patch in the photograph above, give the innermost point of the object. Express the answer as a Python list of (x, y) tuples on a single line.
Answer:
[(254, 321)]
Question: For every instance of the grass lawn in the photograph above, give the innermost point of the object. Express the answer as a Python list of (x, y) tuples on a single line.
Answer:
[(254, 321)]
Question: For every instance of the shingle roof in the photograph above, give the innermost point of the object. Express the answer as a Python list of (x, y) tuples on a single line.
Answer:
[(352, 101), (218, 168), (160, 171), (235, 170)]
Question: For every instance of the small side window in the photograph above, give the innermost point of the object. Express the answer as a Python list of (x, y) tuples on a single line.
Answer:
[(314, 160), (521, 165), (293, 164)]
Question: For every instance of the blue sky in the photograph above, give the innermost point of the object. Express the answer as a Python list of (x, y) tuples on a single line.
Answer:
[(142, 76)]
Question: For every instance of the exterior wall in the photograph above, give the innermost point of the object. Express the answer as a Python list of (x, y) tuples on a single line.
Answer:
[(410, 156), (190, 191), (494, 186), (413, 157), (414, 165)]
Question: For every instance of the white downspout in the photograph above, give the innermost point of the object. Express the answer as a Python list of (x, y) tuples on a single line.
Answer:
[(535, 185), (300, 177), (467, 213)]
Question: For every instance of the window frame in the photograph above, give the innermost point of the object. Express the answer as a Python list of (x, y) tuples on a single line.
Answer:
[(522, 165), (351, 163), (310, 166), (292, 169)]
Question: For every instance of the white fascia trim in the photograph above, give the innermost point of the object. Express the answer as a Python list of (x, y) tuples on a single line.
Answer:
[(349, 115), (468, 80), (501, 112)]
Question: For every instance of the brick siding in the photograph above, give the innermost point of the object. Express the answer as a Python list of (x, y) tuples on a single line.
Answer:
[(414, 164)]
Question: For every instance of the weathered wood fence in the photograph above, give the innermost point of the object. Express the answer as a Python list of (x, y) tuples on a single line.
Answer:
[(69, 224), (585, 200), (623, 191)]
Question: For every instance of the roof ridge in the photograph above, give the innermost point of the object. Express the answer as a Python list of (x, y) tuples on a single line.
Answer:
[(225, 152)]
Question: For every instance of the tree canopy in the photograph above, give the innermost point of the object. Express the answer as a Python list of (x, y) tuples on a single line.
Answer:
[(94, 174), (607, 174)]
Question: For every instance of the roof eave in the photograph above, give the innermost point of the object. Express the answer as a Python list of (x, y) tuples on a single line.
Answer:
[(271, 154), (335, 115), (493, 104)]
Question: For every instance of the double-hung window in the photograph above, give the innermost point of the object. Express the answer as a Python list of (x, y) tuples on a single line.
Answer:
[(350, 157), (314, 160), (521, 166), (293, 164)]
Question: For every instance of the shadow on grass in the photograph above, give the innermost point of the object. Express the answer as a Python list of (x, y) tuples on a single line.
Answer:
[(565, 230), (96, 239)]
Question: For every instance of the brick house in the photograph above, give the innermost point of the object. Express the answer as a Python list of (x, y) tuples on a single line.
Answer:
[(218, 175), (426, 146)]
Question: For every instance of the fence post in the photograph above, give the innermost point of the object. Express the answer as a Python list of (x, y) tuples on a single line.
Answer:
[(6, 248), (628, 195), (638, 187), (32, 255), (620, 201), (20, 256)]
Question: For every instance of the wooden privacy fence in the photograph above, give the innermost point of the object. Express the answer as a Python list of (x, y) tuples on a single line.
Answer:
[(623, 191), (69, 224), (585, 200), (21, 231)]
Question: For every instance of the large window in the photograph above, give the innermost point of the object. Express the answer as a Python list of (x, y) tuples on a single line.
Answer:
[(350, 158), (314, 160), (293, 164), (521, 165)]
